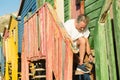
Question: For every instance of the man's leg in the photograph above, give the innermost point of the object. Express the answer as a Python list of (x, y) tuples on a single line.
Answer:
[(86, 77), (82, 46), (88, 50), (80, 77)]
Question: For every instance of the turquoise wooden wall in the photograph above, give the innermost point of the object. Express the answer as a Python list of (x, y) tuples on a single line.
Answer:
[(1, 59), (28, 8)]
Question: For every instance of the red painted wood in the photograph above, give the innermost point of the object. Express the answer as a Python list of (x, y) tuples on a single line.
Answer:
[(5, 36), (49, 64), (51, 40), (68, 62), (42, 31), (35, 37), (24, 61), (77, 8), (82, 4)]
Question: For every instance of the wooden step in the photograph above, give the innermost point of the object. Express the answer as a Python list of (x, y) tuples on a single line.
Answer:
[(39, 69), (30, 74), (19, 77), (40, 76)]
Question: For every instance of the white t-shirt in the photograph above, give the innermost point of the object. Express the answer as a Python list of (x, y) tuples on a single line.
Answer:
[(73, 32)]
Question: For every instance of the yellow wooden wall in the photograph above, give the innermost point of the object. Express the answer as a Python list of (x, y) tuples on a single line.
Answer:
[(11, 45)]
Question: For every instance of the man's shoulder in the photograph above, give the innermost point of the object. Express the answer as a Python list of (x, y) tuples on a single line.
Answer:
[(70, 20)]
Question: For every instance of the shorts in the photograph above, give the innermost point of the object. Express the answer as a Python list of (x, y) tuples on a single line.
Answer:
[(75, 47)]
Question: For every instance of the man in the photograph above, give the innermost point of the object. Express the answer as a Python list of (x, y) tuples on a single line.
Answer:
[(78, 31)]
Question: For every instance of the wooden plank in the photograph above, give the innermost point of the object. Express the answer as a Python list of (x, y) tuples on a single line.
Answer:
[(82, 7), (116, 14), (51, 2), (39, 69), (92, 23), (49, 64), (2, 65), (100, 53), (68, 62), (60, 59), (94, 6), (66, 9), (91, 31), (89, 2), (91, 41), (96, 14), (110, 49), (41, 76), (63, 59)]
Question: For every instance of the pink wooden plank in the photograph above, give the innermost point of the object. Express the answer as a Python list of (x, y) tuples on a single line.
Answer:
[(68, 62), (51, 46), (35, 36), (31, 40), (49, 50), (25, 68), (41, 29)]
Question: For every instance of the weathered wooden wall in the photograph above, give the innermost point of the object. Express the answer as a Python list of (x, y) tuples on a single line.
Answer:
[(99, 37), (44, 37), (116, 19), (27, 8), (105, 56), (13, 36), (10, 42), (1, 60)]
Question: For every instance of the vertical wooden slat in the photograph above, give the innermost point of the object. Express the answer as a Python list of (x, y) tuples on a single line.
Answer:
[(68, 62), (101, 54), (55, 55), (25, 68), (38, 33), (110, 49), (26, 39), (116, 17), (49, 49), (2, 59), (35, 36), (82, 5), (29, 39), (66, 9), (60, 59), (42, 31), (77, 8)]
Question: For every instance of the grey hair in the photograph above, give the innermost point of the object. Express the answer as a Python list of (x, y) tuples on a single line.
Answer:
[(83, 18)]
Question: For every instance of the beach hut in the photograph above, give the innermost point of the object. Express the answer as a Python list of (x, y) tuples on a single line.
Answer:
[(1, 59), (10, 41), (104, 39)]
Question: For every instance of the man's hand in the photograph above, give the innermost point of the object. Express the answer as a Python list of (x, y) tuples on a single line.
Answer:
[(90, 58)]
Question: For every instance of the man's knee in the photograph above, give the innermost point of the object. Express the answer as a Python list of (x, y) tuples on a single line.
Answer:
[(82, 40)]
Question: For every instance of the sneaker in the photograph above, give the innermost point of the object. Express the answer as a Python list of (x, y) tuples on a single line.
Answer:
[(89, 65), (82, 68)]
